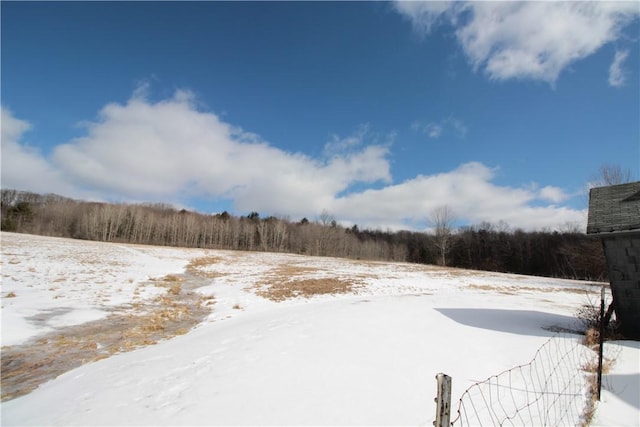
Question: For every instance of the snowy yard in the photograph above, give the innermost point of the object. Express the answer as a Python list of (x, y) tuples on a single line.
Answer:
[(271, 339)]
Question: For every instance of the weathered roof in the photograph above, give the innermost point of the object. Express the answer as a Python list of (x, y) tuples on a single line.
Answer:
[(614, 208)]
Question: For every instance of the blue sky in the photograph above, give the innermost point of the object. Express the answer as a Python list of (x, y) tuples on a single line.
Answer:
[(378, 112)]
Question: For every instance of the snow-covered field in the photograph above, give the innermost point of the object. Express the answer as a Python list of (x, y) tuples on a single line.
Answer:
[(366, 353)]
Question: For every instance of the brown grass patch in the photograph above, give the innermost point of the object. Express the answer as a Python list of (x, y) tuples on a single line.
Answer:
[(139, 324), (407, 267), (288, 271), (204, 261), (175, 289), (591, 337), (506, 290), (592, 365), (171, 282), (11, 295), (368, 262), (306, 288), (288, 281), (169, 278), (574, 290), (207, 300), (457, 272), (198, 267), (592, 387), (514, 289)]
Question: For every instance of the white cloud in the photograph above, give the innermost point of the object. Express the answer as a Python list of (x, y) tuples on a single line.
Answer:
[(435, 130), (617, 76), (338, 146), (468, 190), (424, 15), (526, 40), (12, 128), (169, 151), (24, 167), (459, 129), (552, 194)]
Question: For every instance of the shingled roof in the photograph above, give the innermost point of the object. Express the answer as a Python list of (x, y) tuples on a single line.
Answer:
[(615, 208)]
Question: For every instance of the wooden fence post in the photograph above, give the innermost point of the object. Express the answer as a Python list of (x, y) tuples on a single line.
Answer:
[(443, 401)]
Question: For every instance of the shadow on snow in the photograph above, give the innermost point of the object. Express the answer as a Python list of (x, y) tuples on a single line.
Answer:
[(520, 322)]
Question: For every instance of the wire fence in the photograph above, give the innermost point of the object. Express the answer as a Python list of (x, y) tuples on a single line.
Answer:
[(551, 390)]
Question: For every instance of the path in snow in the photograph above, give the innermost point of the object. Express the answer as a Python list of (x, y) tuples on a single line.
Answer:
[(130, 326)]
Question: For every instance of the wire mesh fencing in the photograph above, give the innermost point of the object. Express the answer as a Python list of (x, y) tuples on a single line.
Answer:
[(551, 390)]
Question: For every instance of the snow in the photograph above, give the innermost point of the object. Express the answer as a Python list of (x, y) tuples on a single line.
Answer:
[(620, 398), (367, 357), (61, 282)]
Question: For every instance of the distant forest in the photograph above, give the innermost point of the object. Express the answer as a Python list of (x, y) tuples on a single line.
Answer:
[(569, 254)]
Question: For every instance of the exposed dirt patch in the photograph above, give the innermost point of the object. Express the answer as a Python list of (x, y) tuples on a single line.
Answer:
[(142, 323)]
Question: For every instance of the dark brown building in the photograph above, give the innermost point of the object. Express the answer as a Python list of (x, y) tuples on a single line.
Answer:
[(614, 217)]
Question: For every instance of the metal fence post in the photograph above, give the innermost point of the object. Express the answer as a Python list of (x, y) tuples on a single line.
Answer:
[(601, 341), (443, 401)]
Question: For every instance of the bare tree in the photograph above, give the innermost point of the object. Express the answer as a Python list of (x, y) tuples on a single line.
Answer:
[(326, 219), (326, 241), (611, 175), (442, 219)]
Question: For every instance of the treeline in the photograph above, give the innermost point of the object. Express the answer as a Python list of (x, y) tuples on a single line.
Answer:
[(162, 225), (566, 255)]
